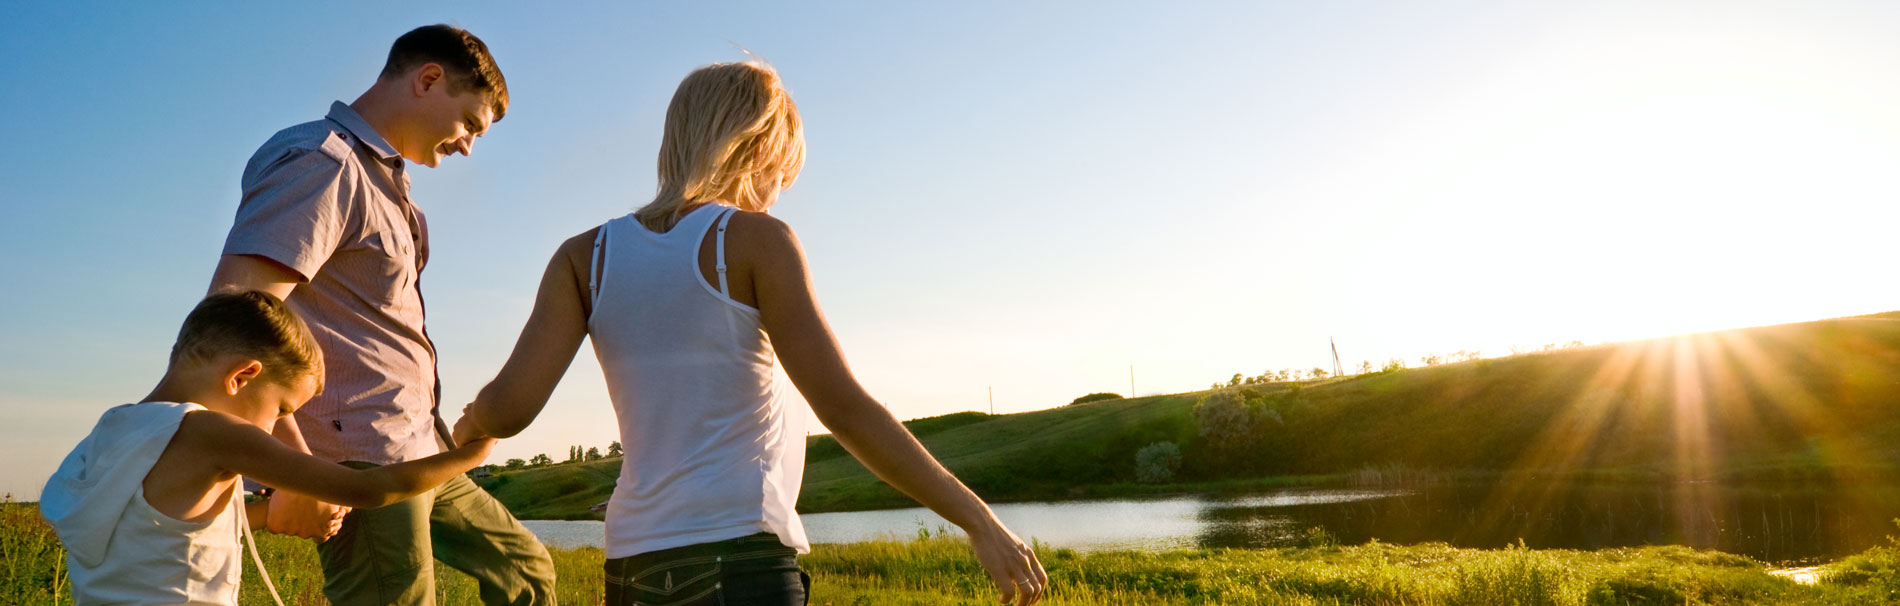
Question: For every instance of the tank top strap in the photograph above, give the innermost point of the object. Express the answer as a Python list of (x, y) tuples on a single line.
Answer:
[(597, 267), (719, 250)]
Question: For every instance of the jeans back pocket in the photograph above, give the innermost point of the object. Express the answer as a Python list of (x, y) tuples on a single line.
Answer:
[(682, 582)]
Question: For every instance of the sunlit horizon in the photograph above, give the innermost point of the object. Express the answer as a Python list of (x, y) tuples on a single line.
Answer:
[(1018, 201)]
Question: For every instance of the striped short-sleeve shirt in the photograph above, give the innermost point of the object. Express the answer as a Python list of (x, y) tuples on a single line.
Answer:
[(330, 200)]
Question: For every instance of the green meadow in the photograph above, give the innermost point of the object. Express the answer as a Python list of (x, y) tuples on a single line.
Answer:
[(1809, 402), (940, 571), (1806, 402)]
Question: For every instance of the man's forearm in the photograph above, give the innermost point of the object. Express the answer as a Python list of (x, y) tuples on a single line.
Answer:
[(290, 434)]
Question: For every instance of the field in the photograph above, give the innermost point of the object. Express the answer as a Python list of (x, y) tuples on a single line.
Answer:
[(1802, 402), (933, 571)]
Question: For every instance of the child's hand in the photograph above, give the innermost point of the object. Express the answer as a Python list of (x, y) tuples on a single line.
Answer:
[(301, 516), (478, 447)]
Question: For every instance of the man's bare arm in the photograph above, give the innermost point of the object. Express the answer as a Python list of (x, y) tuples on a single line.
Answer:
[(252, 272)]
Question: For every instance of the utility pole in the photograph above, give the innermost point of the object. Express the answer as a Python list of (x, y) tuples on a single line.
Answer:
[(1131, 381), (992, 400), (1337, 371)]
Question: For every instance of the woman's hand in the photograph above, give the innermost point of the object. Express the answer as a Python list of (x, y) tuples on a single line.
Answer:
[(1011, 564), (466, 429)]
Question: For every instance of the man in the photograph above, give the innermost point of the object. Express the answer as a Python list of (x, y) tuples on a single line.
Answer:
[(326, 224)]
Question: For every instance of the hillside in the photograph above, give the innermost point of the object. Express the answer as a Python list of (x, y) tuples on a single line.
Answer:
[(1795, 401)]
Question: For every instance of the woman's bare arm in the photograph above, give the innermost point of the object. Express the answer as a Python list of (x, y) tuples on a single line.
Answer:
[(543, 352), (788, 308)]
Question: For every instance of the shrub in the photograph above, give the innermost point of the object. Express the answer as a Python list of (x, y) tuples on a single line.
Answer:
[(1224, 420), (1156, 463), (1095, 397)]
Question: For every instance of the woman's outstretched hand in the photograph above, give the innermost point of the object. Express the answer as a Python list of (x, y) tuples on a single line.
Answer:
[(1011, 564), (465, 429)]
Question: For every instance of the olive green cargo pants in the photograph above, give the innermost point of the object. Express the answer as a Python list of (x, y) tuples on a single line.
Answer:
[(386, 556)]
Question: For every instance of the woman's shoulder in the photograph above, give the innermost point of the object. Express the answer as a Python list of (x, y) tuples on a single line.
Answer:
[(760, 228), (581, 242)]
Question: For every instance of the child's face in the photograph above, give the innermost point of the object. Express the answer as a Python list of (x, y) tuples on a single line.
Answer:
[(281, 398)]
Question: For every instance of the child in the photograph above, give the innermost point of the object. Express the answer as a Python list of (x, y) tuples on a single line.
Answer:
[(148, 505)]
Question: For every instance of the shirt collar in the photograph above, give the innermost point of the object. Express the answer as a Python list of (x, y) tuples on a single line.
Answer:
[(354, 122)]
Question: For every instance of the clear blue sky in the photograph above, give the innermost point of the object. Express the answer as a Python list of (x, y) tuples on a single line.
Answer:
[(1030, 196)]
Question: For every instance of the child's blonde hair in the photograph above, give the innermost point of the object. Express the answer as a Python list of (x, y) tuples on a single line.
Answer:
[(255, 324), (729, 125)]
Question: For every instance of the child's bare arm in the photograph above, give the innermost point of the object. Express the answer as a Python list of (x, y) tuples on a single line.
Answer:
[(244, 449)]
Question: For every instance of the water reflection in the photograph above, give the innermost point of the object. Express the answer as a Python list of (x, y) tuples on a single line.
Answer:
[(1781, 524), (1787, 524)]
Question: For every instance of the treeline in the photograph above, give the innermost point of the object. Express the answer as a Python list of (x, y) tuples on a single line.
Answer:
[(1366, 367), (1798, 401), (575, 454)]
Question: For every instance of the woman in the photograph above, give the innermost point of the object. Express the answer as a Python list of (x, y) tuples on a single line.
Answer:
[(687, 301)]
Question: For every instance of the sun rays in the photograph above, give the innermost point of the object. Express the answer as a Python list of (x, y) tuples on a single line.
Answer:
[(1694, 410)]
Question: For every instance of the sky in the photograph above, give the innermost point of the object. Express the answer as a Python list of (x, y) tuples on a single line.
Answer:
[(1024, 199)]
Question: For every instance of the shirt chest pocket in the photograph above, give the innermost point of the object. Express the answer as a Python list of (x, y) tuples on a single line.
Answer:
[(388, 263)]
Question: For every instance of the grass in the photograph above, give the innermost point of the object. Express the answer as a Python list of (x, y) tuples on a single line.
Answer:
[(1796, 402), (939, 571)]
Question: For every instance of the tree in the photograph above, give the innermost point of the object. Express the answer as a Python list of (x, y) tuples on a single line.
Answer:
[(593, 453), (1223, 420), (1365, 366), (1238, 378), (1157, 462), (1095, 397), (541, 460), (613, 450), (1394, 364), (514, 464)]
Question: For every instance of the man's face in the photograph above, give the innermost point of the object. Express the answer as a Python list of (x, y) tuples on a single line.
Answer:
[(448, 124)]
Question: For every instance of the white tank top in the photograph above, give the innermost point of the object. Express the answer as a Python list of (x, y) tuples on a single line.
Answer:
[(711, 452), (158, 559)]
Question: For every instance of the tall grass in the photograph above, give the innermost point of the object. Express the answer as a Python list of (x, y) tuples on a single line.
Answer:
[(935, 570)]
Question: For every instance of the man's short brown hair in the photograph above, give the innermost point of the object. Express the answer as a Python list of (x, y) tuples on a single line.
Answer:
[(462, 56), (253, 324)]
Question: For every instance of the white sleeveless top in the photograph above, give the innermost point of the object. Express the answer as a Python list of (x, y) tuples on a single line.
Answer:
[(158, 559), (711, 452)]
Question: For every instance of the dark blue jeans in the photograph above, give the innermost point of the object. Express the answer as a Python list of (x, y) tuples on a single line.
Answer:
[(747, 571)]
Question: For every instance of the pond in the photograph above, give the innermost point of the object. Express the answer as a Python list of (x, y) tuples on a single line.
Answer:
[(1786, 525)]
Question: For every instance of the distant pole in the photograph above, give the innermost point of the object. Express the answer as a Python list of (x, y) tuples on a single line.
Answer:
[(1337, 370), (1131, 381), (992, 400)]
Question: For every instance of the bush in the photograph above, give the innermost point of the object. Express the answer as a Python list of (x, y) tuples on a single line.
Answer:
[(1095, 397), (1224, 420), (1156, 463)]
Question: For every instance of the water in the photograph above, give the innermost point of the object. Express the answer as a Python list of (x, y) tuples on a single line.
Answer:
[(1780, 524), (1145, 525)]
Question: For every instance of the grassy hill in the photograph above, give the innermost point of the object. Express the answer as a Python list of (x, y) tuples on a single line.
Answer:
[(1797, 401)]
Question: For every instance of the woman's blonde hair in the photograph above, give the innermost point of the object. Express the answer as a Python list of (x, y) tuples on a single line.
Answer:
[(729, 125)]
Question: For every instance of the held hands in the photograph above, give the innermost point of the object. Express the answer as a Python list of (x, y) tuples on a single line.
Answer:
[(1011, 564), (301, 516), (477, 447), (465, 428)]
